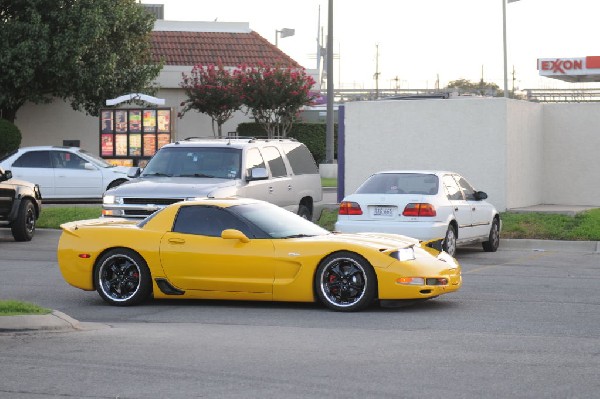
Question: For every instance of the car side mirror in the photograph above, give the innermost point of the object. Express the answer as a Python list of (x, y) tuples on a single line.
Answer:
[(5, 175), (232, 234), (480, 195), (88, 166), (258, 174), (134, 172)]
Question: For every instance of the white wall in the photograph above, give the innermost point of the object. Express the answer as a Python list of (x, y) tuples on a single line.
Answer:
[(572, 154), (524, 154), (462, 135), (520, 153)]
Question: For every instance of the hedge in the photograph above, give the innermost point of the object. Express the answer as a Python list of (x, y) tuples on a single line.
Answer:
[(10, 137), (313, 135)]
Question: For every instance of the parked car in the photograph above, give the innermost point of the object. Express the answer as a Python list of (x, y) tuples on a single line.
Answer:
[(245, 249), (282, 172), (424, 205), (64, 172), (20, 206)]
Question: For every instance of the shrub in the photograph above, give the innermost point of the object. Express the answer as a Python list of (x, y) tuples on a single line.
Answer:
[(10, 137)]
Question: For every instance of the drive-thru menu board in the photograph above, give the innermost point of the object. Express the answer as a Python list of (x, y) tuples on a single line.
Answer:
[(131, 136)]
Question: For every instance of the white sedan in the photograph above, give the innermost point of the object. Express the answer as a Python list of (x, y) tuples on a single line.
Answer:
[(422, 204), (64, 172)]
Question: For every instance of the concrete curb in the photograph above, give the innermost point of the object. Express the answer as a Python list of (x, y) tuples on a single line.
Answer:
[(550, 245), (55, 321)]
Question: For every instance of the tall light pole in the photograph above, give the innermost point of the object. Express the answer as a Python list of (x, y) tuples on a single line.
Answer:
[(285, 32), (504, 43), (329, 139)]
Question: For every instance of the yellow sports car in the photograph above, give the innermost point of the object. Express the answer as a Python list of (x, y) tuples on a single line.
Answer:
[(244, 249)]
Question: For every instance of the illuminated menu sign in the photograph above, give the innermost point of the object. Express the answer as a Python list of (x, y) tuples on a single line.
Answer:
[(131, 136)]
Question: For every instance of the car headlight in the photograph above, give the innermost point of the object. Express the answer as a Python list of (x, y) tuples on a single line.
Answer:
[(404, 254), (111, 200)]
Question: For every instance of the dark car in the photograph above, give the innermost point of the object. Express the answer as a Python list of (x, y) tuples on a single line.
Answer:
[(20, 206)]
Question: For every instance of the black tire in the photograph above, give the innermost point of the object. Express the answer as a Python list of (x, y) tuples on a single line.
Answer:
[(23, 227), (115, 183), (122, 277), (449, 244), (304, 212), (345, 282), (494, 239)]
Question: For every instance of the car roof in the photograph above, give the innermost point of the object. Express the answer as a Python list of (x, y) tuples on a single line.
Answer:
[(48, 147), (230, 142), (419, 171)]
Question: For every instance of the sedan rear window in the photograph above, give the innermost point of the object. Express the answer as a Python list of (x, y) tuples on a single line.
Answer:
[(400, 183)]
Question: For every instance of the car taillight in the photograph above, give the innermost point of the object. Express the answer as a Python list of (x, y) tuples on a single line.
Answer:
[(419, 209), (349, 208)]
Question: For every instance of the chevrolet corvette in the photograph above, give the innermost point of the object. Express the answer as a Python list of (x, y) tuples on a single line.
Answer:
[(243, 249)]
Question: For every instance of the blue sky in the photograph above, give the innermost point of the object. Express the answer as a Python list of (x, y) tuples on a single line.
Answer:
[(418, 40)]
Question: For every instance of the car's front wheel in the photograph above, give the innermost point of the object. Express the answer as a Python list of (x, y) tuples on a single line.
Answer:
[(449, 244), (23, 226), (345, 282), (494, 239), (122, 277)]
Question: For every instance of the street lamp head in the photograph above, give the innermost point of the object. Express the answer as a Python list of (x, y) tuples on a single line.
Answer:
[(285, 32)]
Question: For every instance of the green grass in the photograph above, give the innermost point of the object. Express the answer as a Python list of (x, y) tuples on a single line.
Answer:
[(328, 182), (585, 226), (15, 308), (582, 227), (53, 217)]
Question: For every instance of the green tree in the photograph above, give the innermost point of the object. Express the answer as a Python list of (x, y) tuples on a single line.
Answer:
[(213, 91), (10, 137), (82, 51), (274, 95), (482, 88)]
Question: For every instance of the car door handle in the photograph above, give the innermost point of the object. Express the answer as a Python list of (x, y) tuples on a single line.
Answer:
[(270, 189), (473, 209), (456, 209), (289, 187), (176, 241)]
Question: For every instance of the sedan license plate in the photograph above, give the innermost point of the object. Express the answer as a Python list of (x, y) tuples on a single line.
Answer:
[(383, 211)]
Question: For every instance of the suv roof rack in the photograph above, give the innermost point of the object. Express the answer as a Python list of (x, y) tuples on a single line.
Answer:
[(248, 139)]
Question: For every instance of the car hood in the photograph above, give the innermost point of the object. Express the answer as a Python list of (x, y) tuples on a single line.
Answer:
[(375, 240), (169, 187), (17, 182)]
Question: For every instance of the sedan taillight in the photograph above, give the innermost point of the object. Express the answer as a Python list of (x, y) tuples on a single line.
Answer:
[(349, 208), (419, 209)]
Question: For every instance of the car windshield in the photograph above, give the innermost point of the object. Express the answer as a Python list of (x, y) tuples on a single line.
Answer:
[(212, 162), (277, 222), (400, 183), (96, 160)]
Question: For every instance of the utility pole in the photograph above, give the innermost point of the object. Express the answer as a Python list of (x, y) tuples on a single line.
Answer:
[(376, 76), (329, 136)]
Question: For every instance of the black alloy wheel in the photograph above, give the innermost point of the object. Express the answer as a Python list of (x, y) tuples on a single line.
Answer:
[(345, 282), (122, 278)]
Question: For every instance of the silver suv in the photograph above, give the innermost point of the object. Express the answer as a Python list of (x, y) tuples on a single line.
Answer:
[(282, 172)]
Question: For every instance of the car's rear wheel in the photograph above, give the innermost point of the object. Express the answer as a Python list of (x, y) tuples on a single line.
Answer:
[(23, 226), (449, 244), (494, 239), (304, 212), (122, 277), (345, 282)]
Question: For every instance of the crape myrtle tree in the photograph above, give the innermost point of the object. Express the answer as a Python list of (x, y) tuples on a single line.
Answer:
[(274, 95), (211, 90), (82, 51)]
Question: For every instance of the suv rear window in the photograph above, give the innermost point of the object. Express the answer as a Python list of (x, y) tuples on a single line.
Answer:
[(301, 160), (400, 183)]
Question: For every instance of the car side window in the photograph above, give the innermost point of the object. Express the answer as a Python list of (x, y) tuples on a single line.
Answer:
[(34, 159), (452, 190), (466, 188), (301, 160), (253, 160), (207, 221), (65, 159), (275, 161)]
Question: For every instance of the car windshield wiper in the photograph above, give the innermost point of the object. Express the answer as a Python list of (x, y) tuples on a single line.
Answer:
[(197, 175), (299, 236), (156, 174)]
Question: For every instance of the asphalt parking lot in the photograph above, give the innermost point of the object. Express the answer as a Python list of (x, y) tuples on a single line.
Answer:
[(524, 325)]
